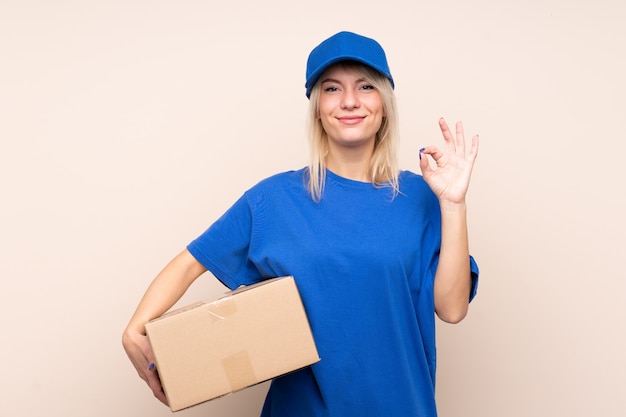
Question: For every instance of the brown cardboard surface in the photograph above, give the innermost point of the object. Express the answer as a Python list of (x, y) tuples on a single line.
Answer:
[(247, 336)]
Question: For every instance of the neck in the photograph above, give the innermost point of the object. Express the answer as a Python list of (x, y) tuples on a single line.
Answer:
[(353, 165)]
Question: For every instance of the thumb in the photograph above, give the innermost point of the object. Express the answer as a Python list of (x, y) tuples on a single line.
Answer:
[(424, 164)]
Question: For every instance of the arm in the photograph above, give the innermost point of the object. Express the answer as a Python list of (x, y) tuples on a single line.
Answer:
[(453, 277), (449, 180), (164, 291)]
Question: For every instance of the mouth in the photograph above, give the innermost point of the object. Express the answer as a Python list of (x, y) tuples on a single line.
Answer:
[(351, 120)]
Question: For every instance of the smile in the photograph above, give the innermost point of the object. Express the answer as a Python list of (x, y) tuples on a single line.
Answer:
[(351, 120)]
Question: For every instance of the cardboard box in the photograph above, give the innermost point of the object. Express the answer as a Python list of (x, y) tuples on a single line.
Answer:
[(245, 337)]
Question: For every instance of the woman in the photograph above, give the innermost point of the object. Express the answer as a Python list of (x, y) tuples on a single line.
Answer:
[(376, 252)]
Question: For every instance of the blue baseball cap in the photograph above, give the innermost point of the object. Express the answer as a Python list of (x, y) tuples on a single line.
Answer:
[(345, 46)]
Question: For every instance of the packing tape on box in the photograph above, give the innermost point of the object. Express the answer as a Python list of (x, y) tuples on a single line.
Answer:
[(238, 366), (239, 370), (222, 308)]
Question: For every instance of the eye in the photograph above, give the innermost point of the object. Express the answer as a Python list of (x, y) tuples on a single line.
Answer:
[(330, 89), (367, 87)]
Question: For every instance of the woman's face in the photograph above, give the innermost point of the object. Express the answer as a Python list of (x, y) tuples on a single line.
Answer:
[(350, 108)]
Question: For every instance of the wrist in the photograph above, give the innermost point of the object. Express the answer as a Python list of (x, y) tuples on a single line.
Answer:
[(134, 329), (453, 207)]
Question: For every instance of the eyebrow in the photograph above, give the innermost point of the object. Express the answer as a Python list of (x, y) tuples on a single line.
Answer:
[(332, 80)]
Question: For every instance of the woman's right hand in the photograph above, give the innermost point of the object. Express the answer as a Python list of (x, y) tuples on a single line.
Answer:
[(139, 352), (164, 291)]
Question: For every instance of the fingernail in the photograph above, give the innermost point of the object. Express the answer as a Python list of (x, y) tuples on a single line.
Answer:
[(151, 367), (422, 150)]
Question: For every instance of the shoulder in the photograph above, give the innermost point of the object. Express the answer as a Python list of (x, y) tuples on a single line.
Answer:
[(282, 178), (413, 186), (410, 180), (281, 181), (410, 176), (279, 185)]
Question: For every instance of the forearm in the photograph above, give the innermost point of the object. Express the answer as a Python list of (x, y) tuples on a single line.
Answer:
[(166, 289), (453, 277)]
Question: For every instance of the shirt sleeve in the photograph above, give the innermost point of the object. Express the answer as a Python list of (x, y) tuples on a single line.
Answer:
[(474, 272), (223, 248)]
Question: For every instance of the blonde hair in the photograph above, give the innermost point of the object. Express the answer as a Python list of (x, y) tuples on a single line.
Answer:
[(383, 167)]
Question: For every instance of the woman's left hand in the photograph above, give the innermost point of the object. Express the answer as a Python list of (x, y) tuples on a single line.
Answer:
[(449, 179)]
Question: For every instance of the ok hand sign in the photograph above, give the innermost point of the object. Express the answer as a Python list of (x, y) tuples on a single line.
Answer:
[(449, 178)]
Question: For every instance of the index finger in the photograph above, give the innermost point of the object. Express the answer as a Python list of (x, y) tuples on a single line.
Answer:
[(154, 382)]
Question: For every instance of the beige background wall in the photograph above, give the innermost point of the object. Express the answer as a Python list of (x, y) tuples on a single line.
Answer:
[(127, 127)]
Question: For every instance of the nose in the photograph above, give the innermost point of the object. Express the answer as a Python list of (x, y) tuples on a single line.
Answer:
[(350, 99)]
